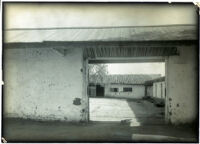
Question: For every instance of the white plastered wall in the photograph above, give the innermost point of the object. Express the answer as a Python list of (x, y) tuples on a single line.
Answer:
[(138, 91), (182, 90), (44, 84)]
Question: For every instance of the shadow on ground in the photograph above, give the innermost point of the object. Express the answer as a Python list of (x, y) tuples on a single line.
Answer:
[(21, 130), (146, 113)]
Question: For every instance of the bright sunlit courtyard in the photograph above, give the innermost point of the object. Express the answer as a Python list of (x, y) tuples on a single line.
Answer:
[(135, 112)]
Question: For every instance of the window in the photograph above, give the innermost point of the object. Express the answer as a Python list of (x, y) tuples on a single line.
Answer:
[(127, 89), (113, 89)]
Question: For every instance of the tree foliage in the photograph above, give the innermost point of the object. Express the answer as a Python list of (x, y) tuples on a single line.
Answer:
[(98, 69)]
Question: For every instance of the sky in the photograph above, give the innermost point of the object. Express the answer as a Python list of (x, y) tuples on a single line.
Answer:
[(40, 15), (137, 68)]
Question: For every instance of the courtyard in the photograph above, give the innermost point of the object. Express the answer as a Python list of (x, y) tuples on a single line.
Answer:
[(137, 111)]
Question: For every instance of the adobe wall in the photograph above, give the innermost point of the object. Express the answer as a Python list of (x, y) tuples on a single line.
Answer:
[(43, 84), (182, 86)]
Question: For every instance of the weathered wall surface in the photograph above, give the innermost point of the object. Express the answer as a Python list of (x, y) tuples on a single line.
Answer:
[(159, 90), (43, 84), (182, 90), (138, 91)]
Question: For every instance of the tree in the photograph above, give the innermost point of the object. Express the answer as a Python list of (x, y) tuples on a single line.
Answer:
[(98, 70)]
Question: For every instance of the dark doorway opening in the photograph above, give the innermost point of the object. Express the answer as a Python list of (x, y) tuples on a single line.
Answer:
[(99, 91)]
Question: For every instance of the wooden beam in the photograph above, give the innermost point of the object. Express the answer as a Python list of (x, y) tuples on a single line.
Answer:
[(83, 44), (126, 59)]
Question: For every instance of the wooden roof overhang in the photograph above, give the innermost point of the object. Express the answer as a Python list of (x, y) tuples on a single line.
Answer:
[(111, 49)]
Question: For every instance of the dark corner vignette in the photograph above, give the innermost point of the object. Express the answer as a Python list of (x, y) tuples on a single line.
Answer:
[(81, 80)]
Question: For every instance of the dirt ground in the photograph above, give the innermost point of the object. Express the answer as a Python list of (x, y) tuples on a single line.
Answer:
[(143, 125), (139, 111)]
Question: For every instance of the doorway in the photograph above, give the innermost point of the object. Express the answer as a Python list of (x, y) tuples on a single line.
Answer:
[(99, 90), (128, 101)]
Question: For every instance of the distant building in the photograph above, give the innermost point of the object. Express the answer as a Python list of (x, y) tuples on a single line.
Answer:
[(121, 86)]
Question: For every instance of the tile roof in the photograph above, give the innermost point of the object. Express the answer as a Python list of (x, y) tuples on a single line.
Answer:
[(123, 33), (124, 79)]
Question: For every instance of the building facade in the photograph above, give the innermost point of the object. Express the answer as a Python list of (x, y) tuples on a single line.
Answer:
[(124, 91), (120, 86)]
